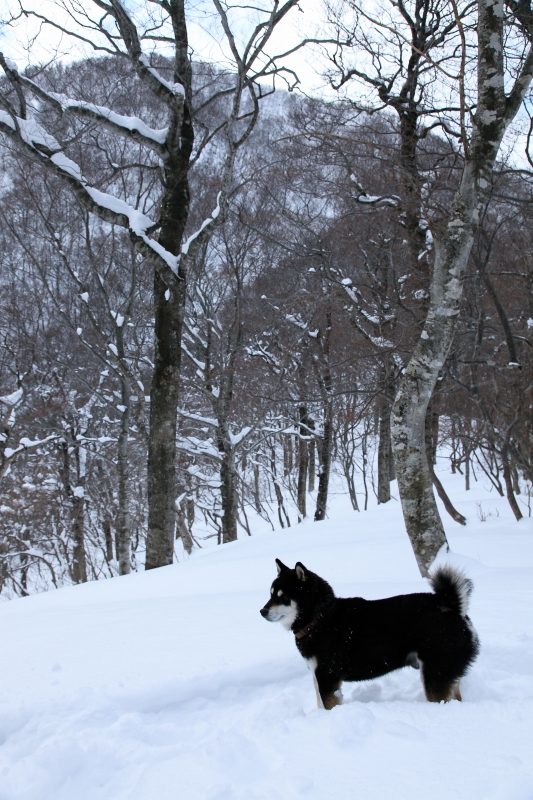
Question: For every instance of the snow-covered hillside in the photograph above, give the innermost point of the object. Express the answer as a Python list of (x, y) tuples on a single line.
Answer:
[(169, 684)]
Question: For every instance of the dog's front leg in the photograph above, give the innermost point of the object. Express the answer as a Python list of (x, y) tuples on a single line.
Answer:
[(312, 664), (327, 688)]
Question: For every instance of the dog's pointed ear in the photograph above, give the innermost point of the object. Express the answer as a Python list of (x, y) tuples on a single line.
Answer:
[(301, 571), (281, 566)]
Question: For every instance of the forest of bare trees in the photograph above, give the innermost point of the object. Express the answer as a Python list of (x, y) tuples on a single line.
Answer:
[(219, 297)]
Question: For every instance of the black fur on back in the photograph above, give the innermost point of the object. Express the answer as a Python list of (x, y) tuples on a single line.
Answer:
[(353, 639)]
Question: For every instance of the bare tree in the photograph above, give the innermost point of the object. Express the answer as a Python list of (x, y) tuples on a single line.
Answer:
[(495, 108), (112, 30)]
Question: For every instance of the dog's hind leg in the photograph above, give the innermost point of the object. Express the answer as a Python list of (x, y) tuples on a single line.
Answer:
[(439, 686), (438, 689)]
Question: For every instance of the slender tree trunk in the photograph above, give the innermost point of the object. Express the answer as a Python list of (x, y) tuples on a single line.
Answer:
[(109, 554), (384, 452), (190, 513), (507, 477), (123, 470), (349, 475), (279, 493), (182, 530), (312, 461), (325, 465), (303, 460), (77, 504), (257, 498), (24, 575), (432, 438), (229, 496), (79, 558), (287, 456)]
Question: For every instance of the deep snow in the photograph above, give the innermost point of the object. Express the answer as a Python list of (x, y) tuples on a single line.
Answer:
[(169, 684)]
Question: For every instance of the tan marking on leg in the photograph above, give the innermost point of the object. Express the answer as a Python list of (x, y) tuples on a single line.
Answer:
[(457, 691), (438, 697), (331, 700)]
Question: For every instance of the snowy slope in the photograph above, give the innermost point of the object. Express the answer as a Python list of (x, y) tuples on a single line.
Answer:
[(170, 685)]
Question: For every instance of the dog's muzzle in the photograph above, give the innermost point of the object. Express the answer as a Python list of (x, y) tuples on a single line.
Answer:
[(264, 612)]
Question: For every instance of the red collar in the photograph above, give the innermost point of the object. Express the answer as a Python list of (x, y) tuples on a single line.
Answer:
[(314, 622), (305, 630)]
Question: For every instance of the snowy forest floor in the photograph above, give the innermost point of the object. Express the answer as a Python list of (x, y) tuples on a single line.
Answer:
[(169, 684)]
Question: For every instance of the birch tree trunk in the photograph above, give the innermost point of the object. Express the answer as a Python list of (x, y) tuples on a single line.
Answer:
[(494, 112)]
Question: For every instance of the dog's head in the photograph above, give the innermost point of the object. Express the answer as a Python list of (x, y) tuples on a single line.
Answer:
[(284, 594)]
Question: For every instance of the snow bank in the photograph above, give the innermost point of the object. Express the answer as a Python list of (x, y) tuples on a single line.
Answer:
[(169, 684)]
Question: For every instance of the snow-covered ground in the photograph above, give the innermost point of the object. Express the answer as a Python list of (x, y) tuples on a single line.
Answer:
[(169, 684)]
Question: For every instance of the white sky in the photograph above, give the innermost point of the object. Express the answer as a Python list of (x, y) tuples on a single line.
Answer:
[(208, 42), (205, 36)]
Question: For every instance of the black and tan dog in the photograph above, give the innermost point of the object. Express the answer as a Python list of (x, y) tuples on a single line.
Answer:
[(352, 639)]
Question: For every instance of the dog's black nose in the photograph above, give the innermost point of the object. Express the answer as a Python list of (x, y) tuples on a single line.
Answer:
[(264, 612)]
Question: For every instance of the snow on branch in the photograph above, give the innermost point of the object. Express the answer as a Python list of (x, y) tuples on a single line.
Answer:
[(199, 364), (131, 127), (205, 420), (12, 399), (204, 228), (237, 438), (377, 201), (175, 89), (25, 445), (197, 473), (46, 151), (295, 319)]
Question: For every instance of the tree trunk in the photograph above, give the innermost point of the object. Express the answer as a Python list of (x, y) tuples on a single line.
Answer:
[(287, 456), (109, 554), (79, 559), (183, 531), (325, 465), (494, 113), (229, 497), (123, 467), (303, 461), (163, 413), (257, 498), (77, 504), (312, 462), (432, 436), (169, 305), (507, 477), (277, 489), (385, 468)]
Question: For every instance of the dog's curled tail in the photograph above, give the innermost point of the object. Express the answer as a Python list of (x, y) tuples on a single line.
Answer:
[(453, 588)]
